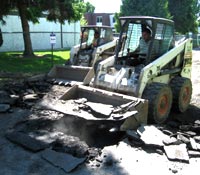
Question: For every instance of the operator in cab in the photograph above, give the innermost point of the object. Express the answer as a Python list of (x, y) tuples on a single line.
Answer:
[(139, 55)]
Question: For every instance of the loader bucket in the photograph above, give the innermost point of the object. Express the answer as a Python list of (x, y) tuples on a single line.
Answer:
[(67, 74), (101, 108)]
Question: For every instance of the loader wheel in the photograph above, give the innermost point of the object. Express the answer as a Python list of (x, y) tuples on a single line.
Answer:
[(182, 92), (160, 100)]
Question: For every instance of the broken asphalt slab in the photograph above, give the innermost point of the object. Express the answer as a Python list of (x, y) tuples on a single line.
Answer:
[(151, 135), (177, 152), (26, 141), (64, 161)]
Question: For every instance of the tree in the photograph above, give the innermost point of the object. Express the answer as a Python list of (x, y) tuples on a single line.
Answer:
[(117, 22), (157, 8), (31, 10), (89, 8), (184, 13)]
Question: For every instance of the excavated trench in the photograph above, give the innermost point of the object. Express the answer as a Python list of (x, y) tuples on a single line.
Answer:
[(41, 122)]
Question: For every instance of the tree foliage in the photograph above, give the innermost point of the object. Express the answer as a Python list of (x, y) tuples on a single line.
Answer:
[(31, 10), (89, 7), (158, 8), (184, 13)]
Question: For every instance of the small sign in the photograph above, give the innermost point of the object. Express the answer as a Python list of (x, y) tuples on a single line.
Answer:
[(52, 38)]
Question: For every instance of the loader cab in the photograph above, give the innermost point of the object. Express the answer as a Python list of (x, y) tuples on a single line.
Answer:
[(162, 37), (88, 33), (87, 49)]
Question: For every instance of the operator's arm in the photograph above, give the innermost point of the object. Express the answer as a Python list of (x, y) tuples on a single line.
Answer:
[(134, 53)]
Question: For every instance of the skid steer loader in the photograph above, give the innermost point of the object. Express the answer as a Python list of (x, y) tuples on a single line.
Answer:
[(122, 95), (79, 68), (163, 79)]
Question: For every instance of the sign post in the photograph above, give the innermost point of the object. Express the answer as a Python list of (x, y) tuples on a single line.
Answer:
[(52, 42)]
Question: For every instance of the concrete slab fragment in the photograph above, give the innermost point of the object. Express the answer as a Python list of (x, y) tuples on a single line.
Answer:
[(183, 138), (177, 152), (99, 108), (30, 97), (151, 135), (194, 144), (194, 153), (171, 141), (64, 161), (26, 141)]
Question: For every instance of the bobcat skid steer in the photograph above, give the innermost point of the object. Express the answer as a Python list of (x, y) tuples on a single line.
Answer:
[(79, 68), (123, 96), (164, 78)]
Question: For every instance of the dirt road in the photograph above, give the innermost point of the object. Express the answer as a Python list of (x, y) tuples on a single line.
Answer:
[(122, 158)]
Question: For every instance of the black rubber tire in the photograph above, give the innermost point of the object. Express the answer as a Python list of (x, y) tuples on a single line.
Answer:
[(182, 92), (160, 101)]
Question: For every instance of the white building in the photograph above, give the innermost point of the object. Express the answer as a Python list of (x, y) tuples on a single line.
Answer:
[(67, 35)]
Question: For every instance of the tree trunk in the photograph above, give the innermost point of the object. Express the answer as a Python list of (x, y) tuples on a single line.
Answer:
[(28, 51)]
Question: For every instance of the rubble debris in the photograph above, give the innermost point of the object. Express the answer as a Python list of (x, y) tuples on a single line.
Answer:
[(80, 100), (194, 145), (172, 141), (197, 122), (93, 153), (175, 144), (191, 127), (197, 138), (103, 110), (193, 154), (191, 133), (71, 145), (185, 127), (30, 97), (26, 141), (195, 128), (64, 161), (167, 132), (35, 78), (150, 135), (127, 106), (177, 152), (183, 138), (173, 134)]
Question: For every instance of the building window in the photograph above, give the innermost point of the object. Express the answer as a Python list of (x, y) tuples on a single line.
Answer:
[(99, 19)]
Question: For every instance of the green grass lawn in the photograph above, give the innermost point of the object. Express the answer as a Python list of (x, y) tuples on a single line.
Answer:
[(14, 62)]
